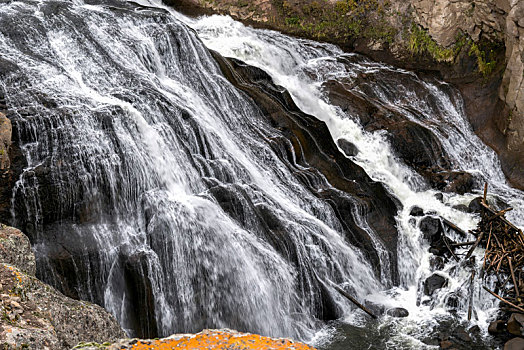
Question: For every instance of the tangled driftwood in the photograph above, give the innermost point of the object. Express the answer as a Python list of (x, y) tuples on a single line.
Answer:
[(504, 254)]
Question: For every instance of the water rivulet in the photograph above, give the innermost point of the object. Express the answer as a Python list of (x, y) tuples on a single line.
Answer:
[(182, 190)]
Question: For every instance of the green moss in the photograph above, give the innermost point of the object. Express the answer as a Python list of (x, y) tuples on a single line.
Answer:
[(421, 42), (486, 54), (292, 21), (344, 19)]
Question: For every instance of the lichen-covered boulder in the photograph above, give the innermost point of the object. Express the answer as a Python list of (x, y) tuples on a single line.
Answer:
[(224, 339), (33, 315)]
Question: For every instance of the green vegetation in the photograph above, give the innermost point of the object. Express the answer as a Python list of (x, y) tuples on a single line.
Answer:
[(373, 20), (420, 42), (344, 19), (486, 53)]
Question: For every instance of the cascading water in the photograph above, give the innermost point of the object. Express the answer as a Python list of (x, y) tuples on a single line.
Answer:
[(149, 178)]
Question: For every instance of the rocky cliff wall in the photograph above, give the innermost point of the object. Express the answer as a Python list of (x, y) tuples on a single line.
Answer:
[(36, 316), (476, 45)]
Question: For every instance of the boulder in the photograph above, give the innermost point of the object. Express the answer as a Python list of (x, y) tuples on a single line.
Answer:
[(416, 211), (207, 339), (434, 282), (431, 229), (461, 334), (36, 315), (375, 308), (514, 344), (436, 263), (461, 207), (475, 205), (347, 147), (15, 249), (497, 327), (515, 323), (397, 312)]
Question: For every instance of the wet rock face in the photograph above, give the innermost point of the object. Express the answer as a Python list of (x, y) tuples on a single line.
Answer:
[(314, 149), (415, 144), (35, 315)]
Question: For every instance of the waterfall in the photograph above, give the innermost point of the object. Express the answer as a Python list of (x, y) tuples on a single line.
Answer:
[(150, 186)]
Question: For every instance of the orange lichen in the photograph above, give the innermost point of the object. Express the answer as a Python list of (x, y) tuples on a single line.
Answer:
[(219, 340), (17, 274)]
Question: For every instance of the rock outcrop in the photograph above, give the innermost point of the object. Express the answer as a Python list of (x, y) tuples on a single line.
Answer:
[(476, 45), (35, 315), (208, 339)]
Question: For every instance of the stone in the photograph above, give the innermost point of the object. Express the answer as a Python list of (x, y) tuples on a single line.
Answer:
[(496, 327), (431, 229), (416, 211), (397, 312), (439, 196), (475, 205), (446, 344), (347, 147), (376, 308), (514, 344), (461, 334), (462, 208), (433, 283), (515, 323), (436, 263)]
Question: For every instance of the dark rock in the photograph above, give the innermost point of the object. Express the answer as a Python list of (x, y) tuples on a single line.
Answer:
[(475, 330), (436, 263), (475, 205), (452, 302), (376, 308), (431, 229), (515, 323), (496, 327), (439, 196), (397, 312), (514, 344), (434, 282), (461, 334), (416, 211), (347, 147), (462, 208), (446, 344)]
